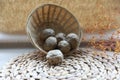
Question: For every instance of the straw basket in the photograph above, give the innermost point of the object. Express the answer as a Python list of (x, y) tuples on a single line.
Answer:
[(51, 16)]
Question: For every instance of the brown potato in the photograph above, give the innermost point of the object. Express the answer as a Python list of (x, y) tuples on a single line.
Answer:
[(73, 39), (60, 36), (46, 33), (54, 57), (64, 46), (50, 43)]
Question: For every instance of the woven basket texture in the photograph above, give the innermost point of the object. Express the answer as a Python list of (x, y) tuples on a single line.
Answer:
[(81, 65)]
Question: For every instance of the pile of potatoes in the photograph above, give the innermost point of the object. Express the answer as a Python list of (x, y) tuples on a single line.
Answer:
[(60, 43)]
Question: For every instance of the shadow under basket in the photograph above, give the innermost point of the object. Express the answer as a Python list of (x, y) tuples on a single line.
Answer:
[(51, 16)]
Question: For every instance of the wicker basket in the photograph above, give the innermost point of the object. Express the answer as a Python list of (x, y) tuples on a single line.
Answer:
[(51, 16)]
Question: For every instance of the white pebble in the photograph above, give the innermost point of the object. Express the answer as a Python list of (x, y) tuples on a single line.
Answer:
[(73, 39), (64, 46), (47, 33), (54, 57), (50, 43)]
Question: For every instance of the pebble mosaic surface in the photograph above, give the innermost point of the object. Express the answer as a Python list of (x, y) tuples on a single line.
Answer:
[(81, 65)]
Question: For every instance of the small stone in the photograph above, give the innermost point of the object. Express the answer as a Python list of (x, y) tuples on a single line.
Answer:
[(54, 57), (46, 33), (64, 46), (60, 36), (73, 39), (50, 43)]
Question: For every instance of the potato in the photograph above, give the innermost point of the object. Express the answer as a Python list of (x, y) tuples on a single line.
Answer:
[(54, 57), (73, 39), (50, 43), (46, 33), (64, 46), (60, 36)]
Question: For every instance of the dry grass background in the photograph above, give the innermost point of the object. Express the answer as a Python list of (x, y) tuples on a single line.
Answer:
[(93, 15)]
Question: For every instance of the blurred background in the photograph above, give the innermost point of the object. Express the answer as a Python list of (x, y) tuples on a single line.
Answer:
[(95, 16)]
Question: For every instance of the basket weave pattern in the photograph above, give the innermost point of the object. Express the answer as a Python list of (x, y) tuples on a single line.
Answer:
[(33, 66)]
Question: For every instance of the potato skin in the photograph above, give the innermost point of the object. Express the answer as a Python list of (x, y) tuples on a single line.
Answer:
[(73, 39), (47, 33), (60, 36), (54, 57), (64, 46), (50, 43)]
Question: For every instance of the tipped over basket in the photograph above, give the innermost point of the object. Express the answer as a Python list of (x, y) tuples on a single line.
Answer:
[(51, 16)]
